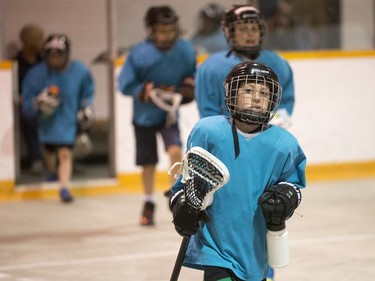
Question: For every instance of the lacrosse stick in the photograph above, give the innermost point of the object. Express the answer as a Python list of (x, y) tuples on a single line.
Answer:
[(168, 101), (203, 174)]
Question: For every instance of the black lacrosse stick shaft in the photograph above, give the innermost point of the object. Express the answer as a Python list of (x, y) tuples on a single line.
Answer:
[(180, 258)]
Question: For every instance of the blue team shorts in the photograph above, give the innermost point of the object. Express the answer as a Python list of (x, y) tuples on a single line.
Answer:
[(146, 142)]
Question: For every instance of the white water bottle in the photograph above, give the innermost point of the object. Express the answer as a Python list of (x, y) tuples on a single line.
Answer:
[(277, 248)]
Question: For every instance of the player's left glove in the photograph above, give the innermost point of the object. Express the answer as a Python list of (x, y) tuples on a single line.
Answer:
[(278, 203), (187, 90)]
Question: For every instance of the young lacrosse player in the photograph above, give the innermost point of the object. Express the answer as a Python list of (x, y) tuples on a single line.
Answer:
[(57, 90), (264, 161), (245, 31), (161, 65)]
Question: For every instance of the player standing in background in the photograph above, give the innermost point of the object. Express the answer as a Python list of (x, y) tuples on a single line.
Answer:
[(209, 37), (164, 63), (245, 31), (57, 90), (231, 244)]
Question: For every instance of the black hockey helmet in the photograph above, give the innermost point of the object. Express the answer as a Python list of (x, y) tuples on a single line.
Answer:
[(239, 14), (160, 15), (257, 73), (212, 11), (57, 44)]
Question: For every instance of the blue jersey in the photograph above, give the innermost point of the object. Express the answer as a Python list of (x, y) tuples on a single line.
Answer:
[(210, 43), (76, 91), (147, 63), (209, 89), (235, 237)]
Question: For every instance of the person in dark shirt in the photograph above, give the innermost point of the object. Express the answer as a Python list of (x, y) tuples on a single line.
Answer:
[(32, 37)]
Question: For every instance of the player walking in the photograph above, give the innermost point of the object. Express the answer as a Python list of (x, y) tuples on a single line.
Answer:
[(160, 64), (231, 243)]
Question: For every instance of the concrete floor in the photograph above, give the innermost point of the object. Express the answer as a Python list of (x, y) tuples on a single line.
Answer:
[(99, 238)]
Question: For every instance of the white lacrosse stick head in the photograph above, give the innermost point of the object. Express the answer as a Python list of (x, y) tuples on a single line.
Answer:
[(198, 162), (168, 101)]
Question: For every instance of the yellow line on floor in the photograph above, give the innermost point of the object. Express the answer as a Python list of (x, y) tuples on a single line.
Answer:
[(131, 183)]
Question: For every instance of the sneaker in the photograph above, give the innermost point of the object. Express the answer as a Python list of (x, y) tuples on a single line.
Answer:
[(147, 217), (65, 195)]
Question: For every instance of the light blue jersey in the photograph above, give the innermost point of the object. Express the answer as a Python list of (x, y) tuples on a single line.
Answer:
[(209, 89), (210, 43), (235, 237), (147, 63), (76, 91)]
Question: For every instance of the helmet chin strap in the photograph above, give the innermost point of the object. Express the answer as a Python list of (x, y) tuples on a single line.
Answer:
[(259, 128), (235, 140)]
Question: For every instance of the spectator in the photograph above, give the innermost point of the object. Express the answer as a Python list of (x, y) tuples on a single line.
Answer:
[(57, 90), (209, 38), (31, 36), (162, 63), (287, 32)]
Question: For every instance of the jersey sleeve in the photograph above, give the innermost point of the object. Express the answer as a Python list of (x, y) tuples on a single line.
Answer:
[(87, 90), (287, 83), (209, 91), (294, 169), (129, 83)]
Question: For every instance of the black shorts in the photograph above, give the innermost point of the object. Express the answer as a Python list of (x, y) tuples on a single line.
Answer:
[(214, 273), (56, 147), (146, 141)]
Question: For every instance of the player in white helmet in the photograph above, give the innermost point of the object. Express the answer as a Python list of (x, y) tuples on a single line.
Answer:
[(245, 31), (56, 90)]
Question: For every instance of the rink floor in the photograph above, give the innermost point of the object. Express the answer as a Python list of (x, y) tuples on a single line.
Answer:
[(98, 238)]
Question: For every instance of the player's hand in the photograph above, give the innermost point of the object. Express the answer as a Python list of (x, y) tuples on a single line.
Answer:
[(85, 119), (278, 203), (281, 119), (145, 94), (48, 100), (187, 90), (185, 218)]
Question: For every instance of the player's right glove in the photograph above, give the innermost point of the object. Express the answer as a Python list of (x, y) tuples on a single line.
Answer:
[(185, 217), (281, 119), (85, 119), (278, 203)]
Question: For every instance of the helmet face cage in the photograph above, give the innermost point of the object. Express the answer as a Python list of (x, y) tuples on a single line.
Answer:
[(263, 88), (57, 44), (243, 15)]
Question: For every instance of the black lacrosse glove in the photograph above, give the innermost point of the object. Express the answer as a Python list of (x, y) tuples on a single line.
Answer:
[(278, 203), (187, 90), (185, 217)]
